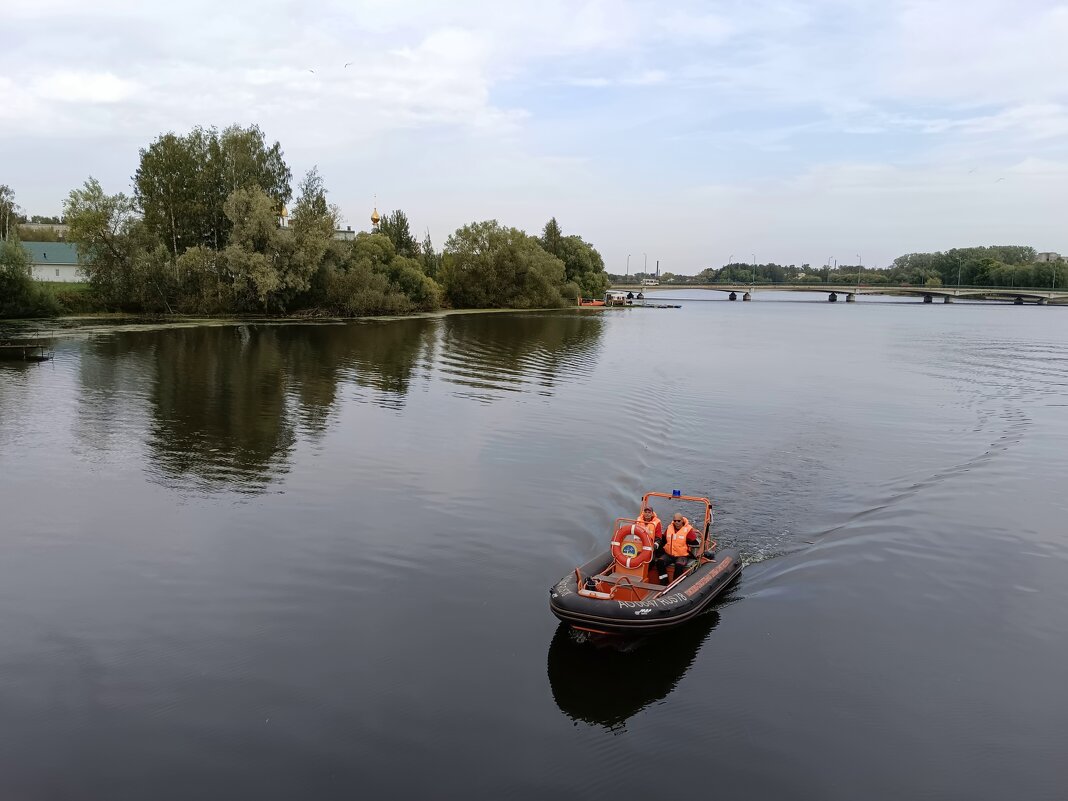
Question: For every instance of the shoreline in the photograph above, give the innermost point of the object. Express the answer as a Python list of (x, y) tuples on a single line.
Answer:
[(73, 325)]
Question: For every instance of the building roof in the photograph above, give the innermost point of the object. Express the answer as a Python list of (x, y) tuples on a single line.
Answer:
[(52, 252)]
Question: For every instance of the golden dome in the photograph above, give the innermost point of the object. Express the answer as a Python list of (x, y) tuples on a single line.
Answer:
[(284, 213), (374, 216)]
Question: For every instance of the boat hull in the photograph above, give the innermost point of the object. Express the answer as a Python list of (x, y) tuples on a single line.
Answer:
[(678, 604)]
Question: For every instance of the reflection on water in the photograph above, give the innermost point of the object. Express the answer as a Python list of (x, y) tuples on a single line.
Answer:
[(607, 680), (486, 359), (225, 404), (384, 356)]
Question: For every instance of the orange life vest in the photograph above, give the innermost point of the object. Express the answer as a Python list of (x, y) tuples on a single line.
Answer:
[(675, 541), (654, 526)]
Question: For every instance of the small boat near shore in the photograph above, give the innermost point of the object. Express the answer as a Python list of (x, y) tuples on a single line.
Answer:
[(616, 593)]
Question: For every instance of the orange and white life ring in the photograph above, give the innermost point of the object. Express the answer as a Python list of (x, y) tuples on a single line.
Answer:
[(632, 546)]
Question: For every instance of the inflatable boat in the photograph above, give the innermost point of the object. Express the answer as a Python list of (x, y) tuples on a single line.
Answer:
[(619, 592)]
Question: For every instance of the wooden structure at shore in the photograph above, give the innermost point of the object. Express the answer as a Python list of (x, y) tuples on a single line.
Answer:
[(24, 352)]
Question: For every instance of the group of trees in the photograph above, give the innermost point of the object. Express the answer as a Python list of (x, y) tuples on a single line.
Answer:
[(20, 295), (209, 229), (488, 265), (996, 265)]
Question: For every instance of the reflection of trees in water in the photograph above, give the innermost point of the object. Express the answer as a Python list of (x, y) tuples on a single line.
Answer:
[(386, 353), (14, 377), (116, 376), (607, 680), (219, 404), (223, 403), (494, 351)]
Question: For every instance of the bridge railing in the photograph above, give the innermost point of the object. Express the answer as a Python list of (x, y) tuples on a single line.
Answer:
[(837, 286)]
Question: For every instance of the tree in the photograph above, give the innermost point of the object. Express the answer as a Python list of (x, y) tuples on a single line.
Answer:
[(20, 295), (273, 266), (431, 258), (551, 236), (182, 183), (395, 226), (9, 211), (111, 240), (486, 265), (583, 265), (255, 254)]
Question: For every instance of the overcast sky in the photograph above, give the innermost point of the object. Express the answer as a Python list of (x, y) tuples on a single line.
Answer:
[(689, 131)]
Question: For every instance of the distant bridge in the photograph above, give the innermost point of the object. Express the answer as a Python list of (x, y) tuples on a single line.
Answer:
[(834, 292)]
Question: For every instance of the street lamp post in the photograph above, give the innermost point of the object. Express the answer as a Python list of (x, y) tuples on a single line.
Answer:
[(645, 269), (627, 276), (730, 261), (958, 272)]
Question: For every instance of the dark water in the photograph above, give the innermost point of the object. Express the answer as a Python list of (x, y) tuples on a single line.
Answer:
[(312, 561)]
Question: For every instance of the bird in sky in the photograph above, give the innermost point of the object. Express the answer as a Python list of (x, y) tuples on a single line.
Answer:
[(347, 63), (999, 179), (312, 71)]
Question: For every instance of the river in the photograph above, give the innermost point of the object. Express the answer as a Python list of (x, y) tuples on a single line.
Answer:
[(267, 560)]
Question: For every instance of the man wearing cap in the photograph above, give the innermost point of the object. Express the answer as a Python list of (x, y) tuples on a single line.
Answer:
[(651, 522)]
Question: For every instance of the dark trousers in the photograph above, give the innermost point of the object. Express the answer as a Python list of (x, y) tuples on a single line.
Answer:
[(662, 562)]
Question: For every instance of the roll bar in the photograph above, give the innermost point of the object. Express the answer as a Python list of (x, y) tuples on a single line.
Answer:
[(692, 498)]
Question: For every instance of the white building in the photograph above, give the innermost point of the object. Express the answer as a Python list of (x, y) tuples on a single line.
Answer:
[(1049, 256), (54, 261)]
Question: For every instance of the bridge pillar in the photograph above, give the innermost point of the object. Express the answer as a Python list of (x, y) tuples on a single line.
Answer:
[(928, 298), (732, 296), (832, 298), (851, 297), (1041, 301), (747, 296), (948, 299), (1018, 302)]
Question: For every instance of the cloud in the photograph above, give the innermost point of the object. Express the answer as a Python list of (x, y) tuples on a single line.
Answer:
[(69, 86), (431, 101)]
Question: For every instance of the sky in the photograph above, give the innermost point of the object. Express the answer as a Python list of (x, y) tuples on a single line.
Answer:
[(684, 133)]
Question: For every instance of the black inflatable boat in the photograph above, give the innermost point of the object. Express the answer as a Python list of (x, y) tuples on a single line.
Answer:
[(620, 592)]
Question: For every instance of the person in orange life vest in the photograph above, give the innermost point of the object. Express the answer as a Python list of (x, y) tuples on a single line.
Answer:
[(651, 522), (674, 548)]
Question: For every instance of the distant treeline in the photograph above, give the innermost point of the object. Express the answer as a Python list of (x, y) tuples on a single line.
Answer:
[(997, 265), (212, 227)]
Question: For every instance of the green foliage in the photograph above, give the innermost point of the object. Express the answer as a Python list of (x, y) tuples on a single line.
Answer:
[(373, 279), (996, 265), (9, 212), (486, 265), (20, 295), (39, 234), (182, 183), (395, 226), (431, 258), (111, 239), (551, 236), (201, 234), (583, 265)]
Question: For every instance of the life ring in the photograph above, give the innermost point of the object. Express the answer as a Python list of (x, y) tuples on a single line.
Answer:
[(632, 546)]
